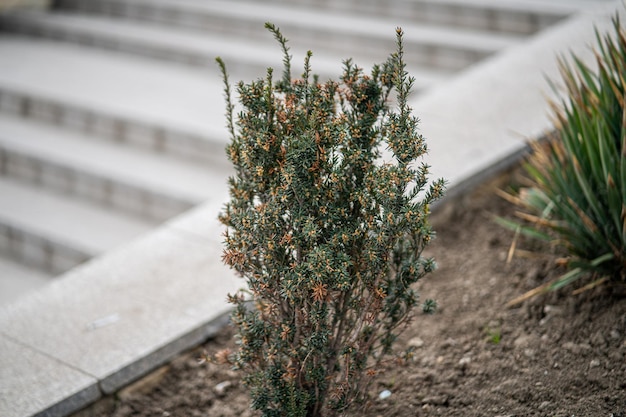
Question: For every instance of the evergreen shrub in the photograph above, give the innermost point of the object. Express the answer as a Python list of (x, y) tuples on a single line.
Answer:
[(328, 238)]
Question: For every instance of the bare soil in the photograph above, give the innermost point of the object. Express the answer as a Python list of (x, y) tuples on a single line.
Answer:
[(554, 355)]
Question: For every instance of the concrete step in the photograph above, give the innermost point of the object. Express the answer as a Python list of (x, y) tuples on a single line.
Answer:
[(146, 104), (508, 16), (17, 280), (426, 46), (247, 58), (56, 233), (143, 183)]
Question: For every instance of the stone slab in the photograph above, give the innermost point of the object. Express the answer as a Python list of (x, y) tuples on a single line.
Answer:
[(73, 224), (33, 382), (122, 315), (180, 98), (202, 221), (150, 173), (17, 280)]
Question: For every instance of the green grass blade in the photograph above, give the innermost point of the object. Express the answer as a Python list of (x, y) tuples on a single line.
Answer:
[(579, 272), (525, 230)]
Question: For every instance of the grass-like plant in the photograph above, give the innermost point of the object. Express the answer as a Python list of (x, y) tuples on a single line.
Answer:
[(327, 237), (577, 199)]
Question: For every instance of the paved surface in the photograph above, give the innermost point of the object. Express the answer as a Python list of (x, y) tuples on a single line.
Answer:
[(114, 318), (17, 280)]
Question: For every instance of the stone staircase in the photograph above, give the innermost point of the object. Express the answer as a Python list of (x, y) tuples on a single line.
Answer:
[(194, 32), (111, 111)]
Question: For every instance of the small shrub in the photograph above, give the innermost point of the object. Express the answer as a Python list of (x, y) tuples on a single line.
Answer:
[(577, 199), (328, 239)]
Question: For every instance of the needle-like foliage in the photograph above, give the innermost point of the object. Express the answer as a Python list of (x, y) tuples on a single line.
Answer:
[(327, 237)]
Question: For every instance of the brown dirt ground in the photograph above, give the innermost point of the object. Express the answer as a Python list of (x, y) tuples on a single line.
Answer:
[(555, 355)]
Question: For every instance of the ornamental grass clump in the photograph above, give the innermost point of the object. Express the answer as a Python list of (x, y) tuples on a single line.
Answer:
[(328, 238), (577, 199)]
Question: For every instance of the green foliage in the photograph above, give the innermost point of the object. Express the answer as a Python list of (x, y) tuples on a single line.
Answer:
[(327, 237), (494, 334), (578, 196)]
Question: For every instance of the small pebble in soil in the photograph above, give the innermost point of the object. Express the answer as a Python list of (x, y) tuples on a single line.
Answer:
[(384, 394), (577, 349), (436, 400), (570, 347), (551, 309), (465, 361), (222, 387), (594, 363), (416, 342)]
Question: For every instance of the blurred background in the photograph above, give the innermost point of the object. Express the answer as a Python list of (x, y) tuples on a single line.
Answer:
[(112, 111)]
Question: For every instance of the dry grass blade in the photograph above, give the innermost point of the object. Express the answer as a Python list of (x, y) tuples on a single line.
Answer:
[(590, 286), (535, 219), (578, 193), (511, 251), (532, 293), (513, 199)]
